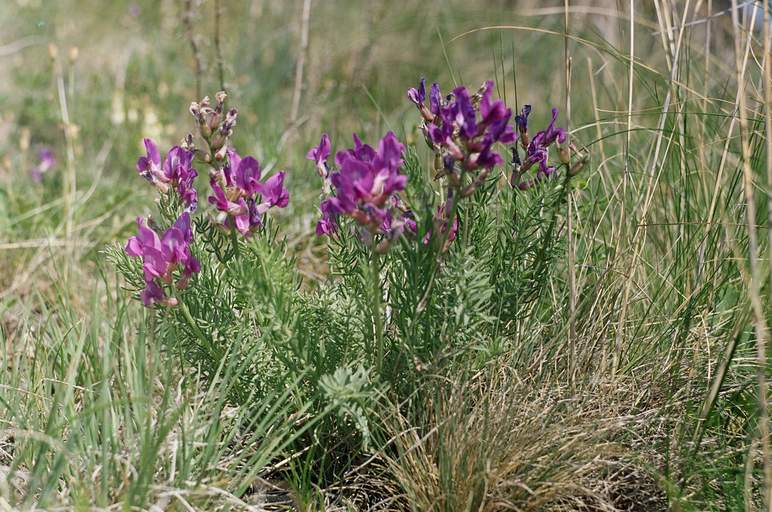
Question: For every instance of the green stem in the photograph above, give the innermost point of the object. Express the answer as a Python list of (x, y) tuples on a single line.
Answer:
[(376, 310)]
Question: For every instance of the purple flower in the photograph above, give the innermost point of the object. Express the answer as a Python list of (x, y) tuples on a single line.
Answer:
[(176, 171), (327, 225), (418, 96), (162, 256), (465, 114), (536, 149), (320, 154), (365, 185), (273, 193), (435, 99), (235, 193), (521, 121), (46, 162), (464, 127), (149, 166), (547, 137)]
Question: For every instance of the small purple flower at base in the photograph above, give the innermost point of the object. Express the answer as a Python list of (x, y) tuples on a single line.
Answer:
[(365, 186), (46, 162), (328, 224), (236, 191), (162, 256), (394, 225), (155, 294), (441, 220)]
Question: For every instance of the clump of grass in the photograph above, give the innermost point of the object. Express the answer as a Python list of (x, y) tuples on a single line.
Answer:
[(112, 422), (505, 439)]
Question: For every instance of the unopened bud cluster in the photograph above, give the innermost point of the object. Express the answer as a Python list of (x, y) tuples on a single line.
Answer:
[(215, 124)]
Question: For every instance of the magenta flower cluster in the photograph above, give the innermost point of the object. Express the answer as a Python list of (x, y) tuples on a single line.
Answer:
[(463, 128), (239, 195), (365, 186), (162, 255)]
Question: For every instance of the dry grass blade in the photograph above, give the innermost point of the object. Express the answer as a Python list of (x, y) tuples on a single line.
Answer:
[(500, 443), (754, 284)]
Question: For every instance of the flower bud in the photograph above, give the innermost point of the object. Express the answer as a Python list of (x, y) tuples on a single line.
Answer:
[(426, 113), (209, 120), (230, 122), (477, 96), (169, 302), (221, 153), (161, 186), (437, 162), (187, 143), (73, 54), (564, 154), (53, 51), (220, 97), (455, 151), (218, 140)]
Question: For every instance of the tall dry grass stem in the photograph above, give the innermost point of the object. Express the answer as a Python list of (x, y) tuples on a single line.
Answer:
[(571, 256), (297, 91), (217, 44), (754, 283), (625, 179), (187, 21)]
